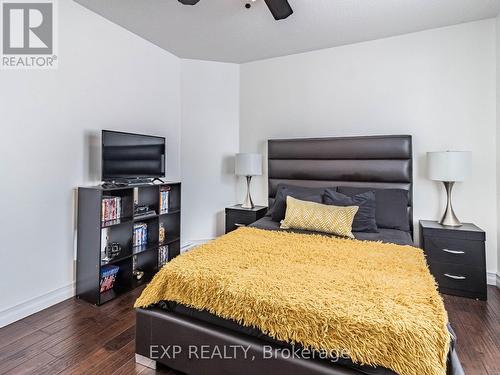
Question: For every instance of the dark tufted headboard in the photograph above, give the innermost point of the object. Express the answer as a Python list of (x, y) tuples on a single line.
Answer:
[(373, 161)]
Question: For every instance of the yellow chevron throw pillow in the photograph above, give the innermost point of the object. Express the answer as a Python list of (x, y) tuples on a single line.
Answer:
[(319, 217)]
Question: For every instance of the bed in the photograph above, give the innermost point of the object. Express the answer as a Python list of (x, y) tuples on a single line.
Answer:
[(381, 162)]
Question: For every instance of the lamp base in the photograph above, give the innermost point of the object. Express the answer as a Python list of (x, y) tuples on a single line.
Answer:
[(248, 203), (449, 218)]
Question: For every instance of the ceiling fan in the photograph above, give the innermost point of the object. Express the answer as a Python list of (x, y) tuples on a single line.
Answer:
[(280, 9)]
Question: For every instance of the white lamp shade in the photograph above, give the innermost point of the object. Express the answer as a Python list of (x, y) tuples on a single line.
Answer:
[(449, 166), (248, 164)]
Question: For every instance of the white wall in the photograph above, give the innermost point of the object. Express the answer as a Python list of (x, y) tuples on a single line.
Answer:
[(50, 122), (437, 85), (210, 122)]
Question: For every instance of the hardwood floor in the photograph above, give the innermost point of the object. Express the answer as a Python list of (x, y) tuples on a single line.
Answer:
[(74, 337), (477, 326)]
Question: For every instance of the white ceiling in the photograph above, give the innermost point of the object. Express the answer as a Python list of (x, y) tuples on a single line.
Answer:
[(223, 30)]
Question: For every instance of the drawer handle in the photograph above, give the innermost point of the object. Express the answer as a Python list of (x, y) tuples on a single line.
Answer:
[(453, 251), (239, 225), (454, 277)]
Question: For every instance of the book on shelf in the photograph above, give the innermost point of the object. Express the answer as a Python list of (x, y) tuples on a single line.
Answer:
[(104, 242), (111, 208), (136, 196), (140, 234), (164, 199), (161, 233), (108, 277), (162, 256)]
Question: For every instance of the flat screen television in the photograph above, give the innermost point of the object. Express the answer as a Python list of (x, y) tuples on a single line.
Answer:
[(127, 156)]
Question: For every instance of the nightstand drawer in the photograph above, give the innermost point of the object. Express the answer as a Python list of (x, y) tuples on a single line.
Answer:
[(456, 251), (458, 277), (235, 221), (237, 216), (244, 218)]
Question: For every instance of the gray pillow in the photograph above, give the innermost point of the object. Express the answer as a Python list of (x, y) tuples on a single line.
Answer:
[(364, 220), (392, 206), (299, 192)]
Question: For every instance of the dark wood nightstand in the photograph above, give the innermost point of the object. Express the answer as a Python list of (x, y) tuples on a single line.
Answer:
[(456, 258), (236, 216)]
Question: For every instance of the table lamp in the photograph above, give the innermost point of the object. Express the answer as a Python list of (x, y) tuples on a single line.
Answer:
[(248, 165), (449, 167)]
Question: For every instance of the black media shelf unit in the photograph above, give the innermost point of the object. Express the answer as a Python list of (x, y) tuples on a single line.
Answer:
[(93, 233)]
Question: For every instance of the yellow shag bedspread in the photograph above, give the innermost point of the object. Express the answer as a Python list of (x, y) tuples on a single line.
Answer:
[(376, 302)]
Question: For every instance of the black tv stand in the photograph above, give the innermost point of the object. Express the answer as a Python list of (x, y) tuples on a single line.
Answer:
[(94, 235)]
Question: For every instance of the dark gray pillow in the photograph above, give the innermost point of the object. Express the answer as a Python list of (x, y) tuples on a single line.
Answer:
[(299, 192), (392, 206), (364, 220)]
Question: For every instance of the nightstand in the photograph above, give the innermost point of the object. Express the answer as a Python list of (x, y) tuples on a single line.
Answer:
[(456, 258), (236, 216)]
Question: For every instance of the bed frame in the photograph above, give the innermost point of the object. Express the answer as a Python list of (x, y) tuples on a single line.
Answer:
[(375, 161)]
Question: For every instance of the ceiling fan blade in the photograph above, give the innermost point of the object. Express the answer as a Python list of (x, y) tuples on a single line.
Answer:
[(189, 2), (279, 8)]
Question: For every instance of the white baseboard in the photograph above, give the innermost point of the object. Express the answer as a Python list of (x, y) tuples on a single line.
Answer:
[(22, 310), (493, 279), (193, 243), (31, 306)]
